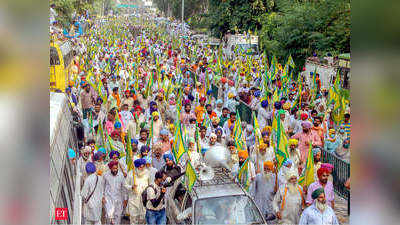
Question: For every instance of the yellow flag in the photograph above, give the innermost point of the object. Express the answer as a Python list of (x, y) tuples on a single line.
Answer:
[(307, 177), (191, 176)]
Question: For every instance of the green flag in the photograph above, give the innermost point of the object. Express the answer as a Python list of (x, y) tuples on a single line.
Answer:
[(191, 176)]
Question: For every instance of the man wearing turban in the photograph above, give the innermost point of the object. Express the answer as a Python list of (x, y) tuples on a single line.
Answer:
[(322, 182), (265, 153), (287, 167), (84, 159), (172, 171), (164, 141), (92, 206), (306, 137), (115, 195), (294, 153), (265, 187), (135, 183), (200, 110), (263, 115), (288, 201), (243, 156), (319, 212)]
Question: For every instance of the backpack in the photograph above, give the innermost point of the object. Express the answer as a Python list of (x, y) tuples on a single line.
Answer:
[(144, 194)]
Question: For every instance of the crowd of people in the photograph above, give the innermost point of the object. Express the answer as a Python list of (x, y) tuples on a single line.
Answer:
[(132, 92)]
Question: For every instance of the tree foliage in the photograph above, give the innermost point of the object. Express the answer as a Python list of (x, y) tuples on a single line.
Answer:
[(66, 8), (296, 27), (236, 15), (303, 28)]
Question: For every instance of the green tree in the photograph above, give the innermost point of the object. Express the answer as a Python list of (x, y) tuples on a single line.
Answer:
[(302, 28)]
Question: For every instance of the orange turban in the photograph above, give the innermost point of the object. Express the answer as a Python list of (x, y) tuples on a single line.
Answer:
[(263, 145), (269, 165), (243, 154)]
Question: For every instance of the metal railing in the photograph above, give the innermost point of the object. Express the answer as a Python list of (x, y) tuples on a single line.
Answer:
[(340, 174), (341, 171)]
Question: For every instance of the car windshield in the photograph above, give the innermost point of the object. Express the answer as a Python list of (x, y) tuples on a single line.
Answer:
[(227, 210)]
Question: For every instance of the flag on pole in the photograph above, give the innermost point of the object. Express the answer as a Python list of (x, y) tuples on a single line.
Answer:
[(150, 138), (307, 177), (179, 147), (129, 152), (257, 130), (281, 152), (238, 136), (290, 62), (243, 175), (191, 176)]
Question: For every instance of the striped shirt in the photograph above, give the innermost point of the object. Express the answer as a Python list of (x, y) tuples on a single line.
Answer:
[(346, 127)]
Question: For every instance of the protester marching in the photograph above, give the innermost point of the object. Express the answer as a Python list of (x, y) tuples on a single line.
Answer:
[(153, 102)]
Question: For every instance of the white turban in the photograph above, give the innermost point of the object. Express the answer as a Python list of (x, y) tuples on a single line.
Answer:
[(213, 135), (86, 149), (291, 173)]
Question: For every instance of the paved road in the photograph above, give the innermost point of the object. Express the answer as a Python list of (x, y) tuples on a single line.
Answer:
[(341, 209)]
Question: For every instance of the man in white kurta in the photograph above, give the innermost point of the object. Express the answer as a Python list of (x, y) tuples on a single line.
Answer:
[(92, 209), (265, 187), (264, 154), (114, 193), (319, 212), (83, 160), (288, 201), (286, 168), (135, 184)]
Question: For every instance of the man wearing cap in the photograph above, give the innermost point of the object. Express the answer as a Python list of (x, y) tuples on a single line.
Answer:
[(92, 195), (115, 195), (265, 187), (306, 137), (322, 182), (319, 212), (289, 201), (135, 183)]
